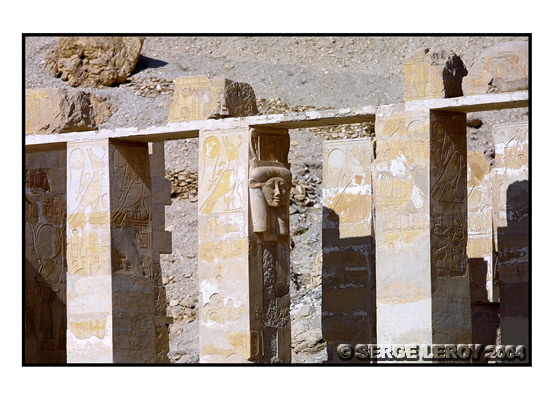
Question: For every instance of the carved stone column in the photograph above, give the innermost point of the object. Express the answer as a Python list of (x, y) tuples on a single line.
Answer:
[(112, 280), (348, 279), (244, 251), (480, 231), (420, 190), (45, 260), (162, 244), (511, 221), (484, 279)]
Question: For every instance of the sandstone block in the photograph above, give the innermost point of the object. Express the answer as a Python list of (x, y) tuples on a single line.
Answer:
[(484, 280), (199, 97), (94, 61), (348, 270), (511, 228), (431, 73), (114, 291), (419, 196), (103, 109), (501, 68), (58, 111)]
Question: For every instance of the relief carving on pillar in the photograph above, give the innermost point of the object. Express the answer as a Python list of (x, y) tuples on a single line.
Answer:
[(269, 199), (45, 261), (448, 189), (347, 182), (270, 181), (220, 167), (131, 216)]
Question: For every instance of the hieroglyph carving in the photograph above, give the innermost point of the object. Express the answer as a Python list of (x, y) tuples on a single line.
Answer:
[(45, 260), (130, 209), (448, 190), (220, 169), (347, 184), (226, 334)]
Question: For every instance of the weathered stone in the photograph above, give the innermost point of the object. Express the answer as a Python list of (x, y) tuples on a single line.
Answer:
[(348, 276), (94, 61), (419, 177), (199, 97), (420, 200), (190, 129), (501, 68), (45, 258), (113, 296), (431, 73), (511, 225), (244, 250), (58, 111), (103, 109), (480, 251), (485, 327), (161, 244)]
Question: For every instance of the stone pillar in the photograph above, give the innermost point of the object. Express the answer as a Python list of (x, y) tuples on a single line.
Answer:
[(511, 218), (112, 280), (244, 251), (162, 244), (348, 280), (420, 190), (484, 279), (45, 261)]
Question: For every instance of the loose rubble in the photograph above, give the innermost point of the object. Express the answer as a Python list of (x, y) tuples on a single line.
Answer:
[(184, 184), (150, 86)]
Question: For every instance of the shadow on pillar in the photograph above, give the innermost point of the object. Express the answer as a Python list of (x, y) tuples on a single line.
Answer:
[(45, 320), (485, 315), (513, 267), (45, 263), (348, 287)]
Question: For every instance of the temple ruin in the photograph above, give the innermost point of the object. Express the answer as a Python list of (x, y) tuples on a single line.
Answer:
[(423, 242)]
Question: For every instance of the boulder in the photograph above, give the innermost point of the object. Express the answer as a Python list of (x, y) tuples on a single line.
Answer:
[(65, 110), (94, 61), (500, 68), (58, 111)]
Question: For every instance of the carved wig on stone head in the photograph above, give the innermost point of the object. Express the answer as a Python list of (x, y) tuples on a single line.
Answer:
[(269, 199)]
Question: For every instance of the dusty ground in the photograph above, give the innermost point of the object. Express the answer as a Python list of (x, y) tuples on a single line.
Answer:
[(330, 72)]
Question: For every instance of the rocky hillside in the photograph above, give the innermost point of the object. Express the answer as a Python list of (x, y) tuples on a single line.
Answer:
[(287, 74)]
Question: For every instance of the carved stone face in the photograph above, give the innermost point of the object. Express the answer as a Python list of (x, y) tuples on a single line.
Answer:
[(275, 191)]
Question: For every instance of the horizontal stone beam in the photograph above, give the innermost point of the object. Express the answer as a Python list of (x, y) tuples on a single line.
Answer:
[(309, 119), (190, 129), (474, 103)]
